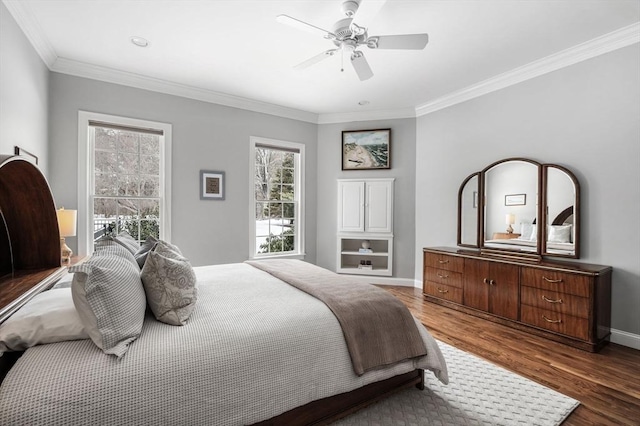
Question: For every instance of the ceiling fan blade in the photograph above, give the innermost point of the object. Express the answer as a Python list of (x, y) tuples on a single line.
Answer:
[(315, 59), (304, 26), (361, 66), (406, 41)]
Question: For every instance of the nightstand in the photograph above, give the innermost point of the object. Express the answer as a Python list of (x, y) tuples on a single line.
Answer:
[(505, 236)]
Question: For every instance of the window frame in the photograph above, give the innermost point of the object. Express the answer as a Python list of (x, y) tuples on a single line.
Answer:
[(86, 173), (299, 190)]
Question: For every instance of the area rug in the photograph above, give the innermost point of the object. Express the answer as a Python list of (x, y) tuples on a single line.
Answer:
[(478, 393)]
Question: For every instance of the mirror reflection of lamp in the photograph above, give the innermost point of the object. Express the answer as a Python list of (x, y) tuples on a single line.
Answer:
[(67, 227), (510, 220)]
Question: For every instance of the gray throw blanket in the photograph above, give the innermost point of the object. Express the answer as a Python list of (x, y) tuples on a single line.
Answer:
[(379, 329)]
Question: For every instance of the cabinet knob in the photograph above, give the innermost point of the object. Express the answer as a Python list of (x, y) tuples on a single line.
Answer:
[(442, 291), (442, 276), (549, 280), (442, 262), (488, 281)]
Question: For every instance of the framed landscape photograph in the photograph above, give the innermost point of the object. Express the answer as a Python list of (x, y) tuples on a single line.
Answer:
[(366, 149), (211, 185)]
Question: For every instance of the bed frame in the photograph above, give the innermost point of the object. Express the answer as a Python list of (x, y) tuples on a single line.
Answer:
[(30, 262)]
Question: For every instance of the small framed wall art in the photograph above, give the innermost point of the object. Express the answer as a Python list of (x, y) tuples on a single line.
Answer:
[(211, 185), (515, 200), (366, 149)]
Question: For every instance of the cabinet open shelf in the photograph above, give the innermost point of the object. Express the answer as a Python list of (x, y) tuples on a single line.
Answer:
[(380, 257)]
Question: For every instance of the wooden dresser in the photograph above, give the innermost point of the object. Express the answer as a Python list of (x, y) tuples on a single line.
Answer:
[(567, 302)]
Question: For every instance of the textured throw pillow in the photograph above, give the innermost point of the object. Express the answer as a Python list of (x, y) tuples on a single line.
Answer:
[(127, 241), (170, 284), (49, 317), (145, 248), (109, 247), (109, 297), (559, 234)]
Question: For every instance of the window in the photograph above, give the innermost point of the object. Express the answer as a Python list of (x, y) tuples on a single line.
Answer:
[(277, 194), (127, 178)]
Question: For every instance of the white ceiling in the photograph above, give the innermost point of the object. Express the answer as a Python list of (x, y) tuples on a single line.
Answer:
[(235, 52)]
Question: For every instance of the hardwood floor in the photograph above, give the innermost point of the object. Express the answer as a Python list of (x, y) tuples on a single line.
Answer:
[(607, 383)]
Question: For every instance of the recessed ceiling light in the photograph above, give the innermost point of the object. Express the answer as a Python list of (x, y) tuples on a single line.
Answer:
[(139, 41), (363, 103)]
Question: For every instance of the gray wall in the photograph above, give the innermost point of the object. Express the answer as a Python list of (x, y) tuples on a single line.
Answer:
[(24, 93), (403, 168), (205, 136), (584, 117)]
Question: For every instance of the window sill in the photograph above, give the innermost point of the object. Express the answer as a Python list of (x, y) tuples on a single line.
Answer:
[(299, 256)]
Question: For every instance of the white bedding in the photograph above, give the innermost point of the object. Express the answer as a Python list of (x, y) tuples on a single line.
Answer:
[(253, 348), (529, 245)]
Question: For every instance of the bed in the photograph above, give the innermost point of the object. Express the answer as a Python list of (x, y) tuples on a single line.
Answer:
[(254, 350)]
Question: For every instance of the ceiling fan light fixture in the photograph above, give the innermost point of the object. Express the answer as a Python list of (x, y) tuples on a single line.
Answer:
[(350, 7)]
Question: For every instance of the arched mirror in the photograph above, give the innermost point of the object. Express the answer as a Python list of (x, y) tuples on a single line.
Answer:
[(562, 218), (518, 205)]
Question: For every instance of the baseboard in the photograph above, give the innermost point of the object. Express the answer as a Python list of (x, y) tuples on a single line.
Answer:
[(625, 338), (405, 282)]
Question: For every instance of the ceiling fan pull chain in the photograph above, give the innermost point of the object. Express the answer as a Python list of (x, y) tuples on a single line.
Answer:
[(341, 60)]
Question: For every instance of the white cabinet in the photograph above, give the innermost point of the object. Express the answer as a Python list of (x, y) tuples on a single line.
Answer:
[(365, 205), (365, 213)]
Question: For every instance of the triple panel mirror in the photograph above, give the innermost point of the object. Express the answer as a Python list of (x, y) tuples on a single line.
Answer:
[(518, 205)]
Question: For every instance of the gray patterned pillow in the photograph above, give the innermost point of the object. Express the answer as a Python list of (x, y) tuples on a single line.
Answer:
[(127, 241), (109, 247), (145, 248), (110, 300), (170, 284)]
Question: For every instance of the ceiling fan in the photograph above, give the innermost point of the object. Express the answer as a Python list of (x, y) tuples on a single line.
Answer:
[(348, 36)]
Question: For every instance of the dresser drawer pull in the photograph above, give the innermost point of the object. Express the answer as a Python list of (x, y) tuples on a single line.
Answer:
[(442, 276), (551, 281), (442, 291), (442, 262), (551, 301), (488, 281), (558, 321)]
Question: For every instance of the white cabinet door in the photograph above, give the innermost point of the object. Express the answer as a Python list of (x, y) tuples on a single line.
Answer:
[(351, 206), (378, 210)]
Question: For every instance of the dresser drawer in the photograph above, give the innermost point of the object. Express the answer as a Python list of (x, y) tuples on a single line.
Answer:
[(563, 303), (443, 261), (554, 321), (442, 276), (443, 291), (555, 281)]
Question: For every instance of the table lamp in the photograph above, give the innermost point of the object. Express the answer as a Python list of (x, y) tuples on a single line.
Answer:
[(510, 220), (67, 227)]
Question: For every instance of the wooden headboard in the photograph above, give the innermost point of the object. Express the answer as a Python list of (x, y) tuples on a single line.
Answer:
[(29, 237)]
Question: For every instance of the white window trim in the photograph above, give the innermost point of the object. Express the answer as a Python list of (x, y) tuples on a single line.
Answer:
[(86, 166), (300, 194)]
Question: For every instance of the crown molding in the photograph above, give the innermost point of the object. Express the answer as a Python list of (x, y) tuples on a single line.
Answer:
[(623, 37), (110, 75), (32, 30), (381, 114), (620, 38)]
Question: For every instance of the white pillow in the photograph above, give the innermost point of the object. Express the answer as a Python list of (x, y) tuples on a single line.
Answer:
[(559, 234), (49, 317), (534, 232), (525, 231)]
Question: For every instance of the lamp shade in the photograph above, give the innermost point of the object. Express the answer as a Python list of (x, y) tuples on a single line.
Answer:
[(510, 219), (67, 222)]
